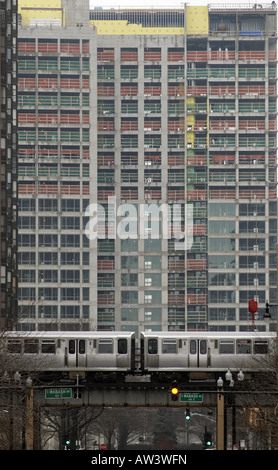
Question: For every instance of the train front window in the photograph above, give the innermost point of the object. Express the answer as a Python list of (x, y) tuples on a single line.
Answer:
[(31, 346), (226, 346), (122, 346), (169, 346), (152, 346), (48, 346), (260, 347), (105, 346), (243, 346)]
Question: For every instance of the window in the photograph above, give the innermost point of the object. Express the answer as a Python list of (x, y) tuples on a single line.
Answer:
[(31, 346), (70, 293), (260, 347), (71, 346), (169, 346), (70, 205), (48, 222), (152, 297), (70, 311), (193, 347), (48, 257), (26, 258), (152, 262), (26, 222), (153, 314), (129, 262), (48, 346), (48, 240), (243, 346), (129, 297), (81, 346), (14, 346), (48, 276), (70, 241), (226, 347), (26, 240), (105, 346), (153, 280), (70, 223), (203, 346), (122, 346), (129, 279), (70, 276), (46, 205), (152, 346)]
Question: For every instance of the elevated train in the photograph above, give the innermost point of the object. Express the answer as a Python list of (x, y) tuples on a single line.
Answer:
[(162, 355)]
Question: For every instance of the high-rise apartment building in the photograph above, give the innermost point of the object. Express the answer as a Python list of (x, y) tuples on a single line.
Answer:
[(8, 162), (144, 108)]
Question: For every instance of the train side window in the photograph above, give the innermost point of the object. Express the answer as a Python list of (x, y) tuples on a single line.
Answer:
[(81, 346), (122, 346), (203, 346), (31, 346), (71, 346), (169, 346), (226, 346), (260, 347), (243, 346), (14, 346), (105, 346), (193, 346), (48, 346), (152, 346)]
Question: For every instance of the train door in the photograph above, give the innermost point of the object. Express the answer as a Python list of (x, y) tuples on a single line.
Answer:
[(198, 353), (77, 353)]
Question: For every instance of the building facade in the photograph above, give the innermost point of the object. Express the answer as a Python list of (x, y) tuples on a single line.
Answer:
[(8, 159), (137, 111)]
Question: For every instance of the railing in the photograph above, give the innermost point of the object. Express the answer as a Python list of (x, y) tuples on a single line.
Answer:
[(222, 194), (105, 56)]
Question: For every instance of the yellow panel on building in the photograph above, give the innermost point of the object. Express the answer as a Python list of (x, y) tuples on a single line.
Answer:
[(197, 20), (35, 9), (119, 27)]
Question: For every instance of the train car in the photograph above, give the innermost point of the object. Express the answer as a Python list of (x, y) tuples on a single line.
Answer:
[(168, 353), (91, 352)]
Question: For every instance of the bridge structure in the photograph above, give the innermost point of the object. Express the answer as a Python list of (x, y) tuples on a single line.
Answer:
[(76, 393)]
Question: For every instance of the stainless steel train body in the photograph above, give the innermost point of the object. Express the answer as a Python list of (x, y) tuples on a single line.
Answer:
[(72, 351), (160, 352), (204, 351)]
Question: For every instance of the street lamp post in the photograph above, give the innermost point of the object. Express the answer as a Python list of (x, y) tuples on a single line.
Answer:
[(220, 417)]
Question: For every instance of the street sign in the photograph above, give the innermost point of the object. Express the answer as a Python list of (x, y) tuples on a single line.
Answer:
[(191, 397), (58, 393)]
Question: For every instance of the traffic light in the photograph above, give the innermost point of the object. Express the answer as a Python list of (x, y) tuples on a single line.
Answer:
[(174, 391), (187, 413), (66, 441), (207, 439)]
